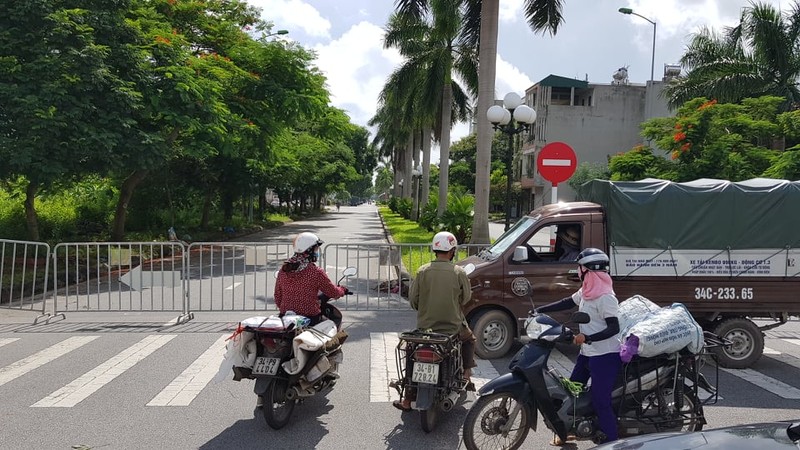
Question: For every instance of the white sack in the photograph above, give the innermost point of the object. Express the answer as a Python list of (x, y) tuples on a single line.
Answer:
[(634, 309), (240, 352), (666, 330), (308, 342)]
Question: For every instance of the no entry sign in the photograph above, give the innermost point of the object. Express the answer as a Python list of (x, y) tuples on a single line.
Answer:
[(556, 162)]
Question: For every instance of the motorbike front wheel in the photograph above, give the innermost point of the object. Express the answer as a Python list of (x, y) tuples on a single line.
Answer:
[(277, 409), (489, 423), (428, 417)]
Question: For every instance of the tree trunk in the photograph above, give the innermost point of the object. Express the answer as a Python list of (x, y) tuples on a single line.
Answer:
[(487, 69), (415, 179), (206, 213), (444, 146), (398, 172), (426, 167), (125, 194), (31, 218), (408, 161)]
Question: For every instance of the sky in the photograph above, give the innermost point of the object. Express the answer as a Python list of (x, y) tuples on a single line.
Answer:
[(592, 43)]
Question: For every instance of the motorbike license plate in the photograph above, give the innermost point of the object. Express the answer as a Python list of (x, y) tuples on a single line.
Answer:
[(425, 373), (266, 366)]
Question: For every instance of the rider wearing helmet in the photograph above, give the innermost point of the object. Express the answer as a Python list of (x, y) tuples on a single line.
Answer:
[(438, 292), (599, 360), (300, 280)]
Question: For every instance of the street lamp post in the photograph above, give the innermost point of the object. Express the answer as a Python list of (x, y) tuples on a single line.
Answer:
[(511, 119), (653, 59), (277, 33)]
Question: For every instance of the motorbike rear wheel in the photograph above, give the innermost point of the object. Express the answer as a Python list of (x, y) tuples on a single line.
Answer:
[(483, 426), (428, 417), (690, 402), (277, 408)]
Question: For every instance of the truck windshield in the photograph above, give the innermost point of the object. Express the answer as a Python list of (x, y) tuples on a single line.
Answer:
[(511, 236)]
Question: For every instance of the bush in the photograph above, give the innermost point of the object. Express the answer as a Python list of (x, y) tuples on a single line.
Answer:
[(404, 207), (457, 219), (427, 217)]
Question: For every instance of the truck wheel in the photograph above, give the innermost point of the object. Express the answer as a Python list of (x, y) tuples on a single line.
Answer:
[(747, 343), (494, 331)]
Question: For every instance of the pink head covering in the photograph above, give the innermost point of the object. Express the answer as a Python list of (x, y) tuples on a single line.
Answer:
[(596, 283)]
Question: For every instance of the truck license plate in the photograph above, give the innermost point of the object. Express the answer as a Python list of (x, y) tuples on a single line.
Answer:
[(266, 366), (425, 373)]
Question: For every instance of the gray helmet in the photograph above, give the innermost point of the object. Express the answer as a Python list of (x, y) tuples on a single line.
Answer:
[(593, 259)]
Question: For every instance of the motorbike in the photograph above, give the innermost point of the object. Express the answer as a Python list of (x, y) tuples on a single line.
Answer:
[(430, 365), (283, 378), (657, 394)]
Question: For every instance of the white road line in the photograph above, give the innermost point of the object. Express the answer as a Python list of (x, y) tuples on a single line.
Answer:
[(770, 351), (186, 386), (43, 357), (561, 362), (233, 286), (382, 366), (778, 388), (483, 372), (6, 341), (85, 385), (793, 341)]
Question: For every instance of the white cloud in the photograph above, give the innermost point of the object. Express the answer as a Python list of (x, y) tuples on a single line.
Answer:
[(294, 14), (509, 78), (510, 10), (357, 66)]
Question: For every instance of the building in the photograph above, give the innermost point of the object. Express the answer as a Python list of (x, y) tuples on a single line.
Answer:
[(596, 120)]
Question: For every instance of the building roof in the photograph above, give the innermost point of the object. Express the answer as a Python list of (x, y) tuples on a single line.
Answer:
[(557, 81)]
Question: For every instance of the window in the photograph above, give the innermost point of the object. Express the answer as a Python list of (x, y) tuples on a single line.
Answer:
[(555, 243)]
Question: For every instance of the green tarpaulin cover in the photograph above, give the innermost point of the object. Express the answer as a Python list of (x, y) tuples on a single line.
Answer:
[(700, 214)]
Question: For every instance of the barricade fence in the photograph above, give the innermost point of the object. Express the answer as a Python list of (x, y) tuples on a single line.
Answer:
[(24, 272), (201, 277)]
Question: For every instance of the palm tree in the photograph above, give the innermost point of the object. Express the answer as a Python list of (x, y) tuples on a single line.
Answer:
[(480, 23), (759, 56), (432, 43)]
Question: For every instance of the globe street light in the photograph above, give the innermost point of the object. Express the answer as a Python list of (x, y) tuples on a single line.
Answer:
[(512, 118), (653, 60)]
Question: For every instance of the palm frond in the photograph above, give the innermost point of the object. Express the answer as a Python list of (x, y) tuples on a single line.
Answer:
[(544, 15)]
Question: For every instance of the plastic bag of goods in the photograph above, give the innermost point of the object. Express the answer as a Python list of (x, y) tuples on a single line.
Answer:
[(667, 330), (634, 309)]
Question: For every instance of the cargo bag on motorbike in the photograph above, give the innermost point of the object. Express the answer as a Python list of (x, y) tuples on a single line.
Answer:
[(307, 343), (633, 310), (667, 330)]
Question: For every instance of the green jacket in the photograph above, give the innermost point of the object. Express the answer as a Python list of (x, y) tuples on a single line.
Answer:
[(437, 293)]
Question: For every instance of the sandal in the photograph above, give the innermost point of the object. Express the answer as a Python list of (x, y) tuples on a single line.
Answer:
[(399, 405)]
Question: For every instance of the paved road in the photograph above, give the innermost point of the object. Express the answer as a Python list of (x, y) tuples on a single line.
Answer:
[(129, 381)]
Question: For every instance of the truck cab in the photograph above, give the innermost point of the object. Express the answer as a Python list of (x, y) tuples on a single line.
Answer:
[(532, 250)]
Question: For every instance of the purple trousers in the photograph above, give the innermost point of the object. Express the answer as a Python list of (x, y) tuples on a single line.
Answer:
[(603, 371)]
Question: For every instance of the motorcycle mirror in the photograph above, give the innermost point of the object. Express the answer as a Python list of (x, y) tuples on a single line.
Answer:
[(349, 271), (469, 268), (580, 317)]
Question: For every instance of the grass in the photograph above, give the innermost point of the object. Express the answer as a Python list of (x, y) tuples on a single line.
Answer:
[(405, 231)]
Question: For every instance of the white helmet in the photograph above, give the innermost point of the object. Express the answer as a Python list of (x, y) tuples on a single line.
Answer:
[(304, 241), (444, 242)]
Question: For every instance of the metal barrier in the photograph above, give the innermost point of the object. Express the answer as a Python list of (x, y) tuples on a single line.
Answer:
[(236, 276), (24, 272), (119, 276)]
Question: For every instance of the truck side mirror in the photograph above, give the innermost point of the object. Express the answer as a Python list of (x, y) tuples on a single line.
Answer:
[(469, 268), (580, 317), (520, 254)]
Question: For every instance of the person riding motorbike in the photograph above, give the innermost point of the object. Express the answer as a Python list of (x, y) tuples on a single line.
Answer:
[(599, 359), (437, 293), (300, 280)]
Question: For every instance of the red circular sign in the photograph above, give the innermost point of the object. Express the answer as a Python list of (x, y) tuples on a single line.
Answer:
[(556, 162)]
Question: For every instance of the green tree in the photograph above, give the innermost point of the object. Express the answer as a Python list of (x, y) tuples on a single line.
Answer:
[(63, 103), (759, 56)]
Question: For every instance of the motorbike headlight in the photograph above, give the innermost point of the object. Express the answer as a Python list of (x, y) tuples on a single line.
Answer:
[(533, 328)]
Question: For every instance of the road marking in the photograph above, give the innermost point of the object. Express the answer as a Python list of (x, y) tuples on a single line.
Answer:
[(186, 386), (769, 351), (483, 373), (793, 341), (233, 286), (556, 162), (6, 341), (561, 362), (381, 358), (778, 388), (85, 385), (43, 357)]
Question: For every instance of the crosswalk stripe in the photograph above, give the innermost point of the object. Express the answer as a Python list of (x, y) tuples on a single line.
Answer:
[(793, 341), (483, 373), (767, 383), (770, 351), (382, 366), (85, 385), (41, 358), (186, 386), (6, 341)]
